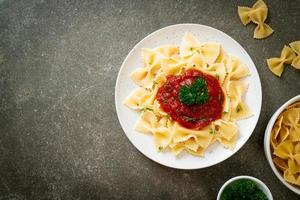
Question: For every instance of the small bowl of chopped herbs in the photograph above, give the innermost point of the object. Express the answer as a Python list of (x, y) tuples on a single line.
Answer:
[(244, 188)]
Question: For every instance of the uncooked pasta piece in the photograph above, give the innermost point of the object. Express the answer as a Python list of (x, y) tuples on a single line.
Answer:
[(276, 65), (257, 14), (296, 48)]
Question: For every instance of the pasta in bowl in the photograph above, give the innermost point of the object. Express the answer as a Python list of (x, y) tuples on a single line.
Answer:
[(189, 98), (282, 144)]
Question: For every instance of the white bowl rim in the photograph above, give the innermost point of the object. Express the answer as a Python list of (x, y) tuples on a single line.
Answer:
[(267, 143), (212, 28), (256, 180)]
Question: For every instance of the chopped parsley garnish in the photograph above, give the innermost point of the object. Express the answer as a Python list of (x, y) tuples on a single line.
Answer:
[(211, 131), (217, 76), (194, 94), (146, 108), (154, 83), (160, 148), (194, 65), (188, 119), (238, 108), (243, 189)]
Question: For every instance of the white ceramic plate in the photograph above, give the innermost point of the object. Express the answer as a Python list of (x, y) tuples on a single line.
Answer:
[(127, 117)]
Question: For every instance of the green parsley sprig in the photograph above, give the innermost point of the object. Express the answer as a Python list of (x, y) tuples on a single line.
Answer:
[(194, 94), (243, 189)]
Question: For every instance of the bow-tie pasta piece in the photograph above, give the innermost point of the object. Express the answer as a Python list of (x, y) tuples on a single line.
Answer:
[(294, 164), (236, 68), (226, 133), (244, 11), (244, 14), (141, 99), (210, 52), (171, 67), (291, 119), (133, 100), (296, 48), (162, 136), (276, 65), (189, 45), (291, 178), (257, 14), (262, 29), (239, 108), (284, 150), (151, 57), (217, 70), (196, 62), (202, 137), (259, 4), (146, 123), (144, 76), (280, 163)]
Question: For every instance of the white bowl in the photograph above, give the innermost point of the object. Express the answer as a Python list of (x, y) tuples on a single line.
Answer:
[(258, 182), (267, 143)]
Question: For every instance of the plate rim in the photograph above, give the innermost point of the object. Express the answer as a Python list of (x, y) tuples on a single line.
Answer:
[(148, 36)]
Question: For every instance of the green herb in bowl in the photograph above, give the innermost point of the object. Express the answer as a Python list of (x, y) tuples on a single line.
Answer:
[(243, 189)]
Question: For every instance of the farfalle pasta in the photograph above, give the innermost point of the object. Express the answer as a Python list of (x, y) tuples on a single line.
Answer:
[(276, 65), (258, 15), (296, 48), (289, 55), (285, 143), (190, 96)]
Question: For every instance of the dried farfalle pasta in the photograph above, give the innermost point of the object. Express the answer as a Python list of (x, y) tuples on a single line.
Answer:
[(262, 29), (257, 14), (276, 65), (244, 11), (296, 48), (285, 143)]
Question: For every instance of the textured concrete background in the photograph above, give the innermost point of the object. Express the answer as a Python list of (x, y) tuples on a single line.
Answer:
[(59, 134)]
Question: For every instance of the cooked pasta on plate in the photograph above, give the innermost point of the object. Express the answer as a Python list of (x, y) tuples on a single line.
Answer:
[(189, 96)]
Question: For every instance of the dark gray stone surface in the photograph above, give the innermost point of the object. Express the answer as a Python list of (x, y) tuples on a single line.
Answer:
[(59, 134)]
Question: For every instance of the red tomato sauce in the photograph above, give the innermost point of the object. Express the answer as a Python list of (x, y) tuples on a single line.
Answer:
[(193, 116)]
